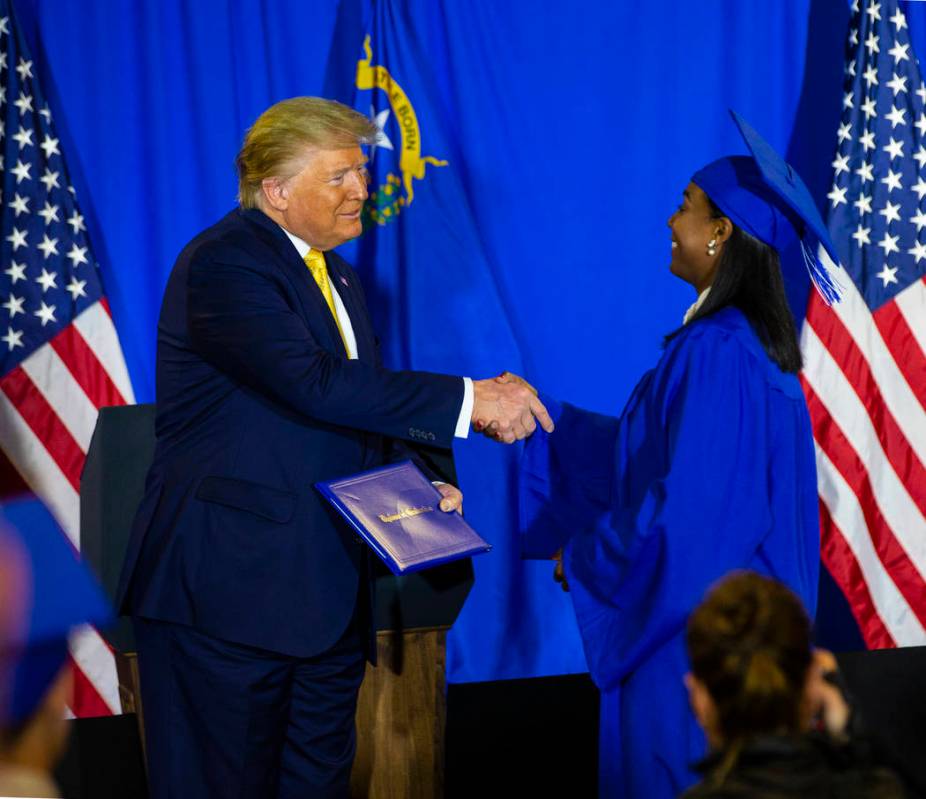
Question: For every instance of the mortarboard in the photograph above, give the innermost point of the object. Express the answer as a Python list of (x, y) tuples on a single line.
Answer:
[(61, 594), (765, 197)]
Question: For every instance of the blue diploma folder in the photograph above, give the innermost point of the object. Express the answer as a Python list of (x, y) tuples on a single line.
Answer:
[(396, 510)]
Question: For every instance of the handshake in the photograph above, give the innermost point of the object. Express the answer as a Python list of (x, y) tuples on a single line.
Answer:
[(507, 409)]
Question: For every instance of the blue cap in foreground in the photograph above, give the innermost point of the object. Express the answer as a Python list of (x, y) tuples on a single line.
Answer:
[(59, 595)]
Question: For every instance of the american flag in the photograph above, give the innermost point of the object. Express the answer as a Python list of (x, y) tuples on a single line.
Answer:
[(865, 357), (60, 359)]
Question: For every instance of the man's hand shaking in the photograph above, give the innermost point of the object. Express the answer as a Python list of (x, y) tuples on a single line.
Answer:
[(506, 408)]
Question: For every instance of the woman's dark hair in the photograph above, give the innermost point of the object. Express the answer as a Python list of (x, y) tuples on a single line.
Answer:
[(749, 278), (749, 643)]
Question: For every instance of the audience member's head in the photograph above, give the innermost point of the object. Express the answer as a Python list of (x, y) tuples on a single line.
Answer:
[(15, 594), (750, 651), (758, 689), (55, 594)]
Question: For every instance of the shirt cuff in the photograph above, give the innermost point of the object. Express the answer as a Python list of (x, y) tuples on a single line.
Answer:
[(466, 412)]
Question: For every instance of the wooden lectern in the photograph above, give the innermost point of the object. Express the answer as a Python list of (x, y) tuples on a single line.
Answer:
[(402, 710)]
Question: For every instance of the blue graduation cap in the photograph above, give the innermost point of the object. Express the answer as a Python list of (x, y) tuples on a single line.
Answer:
[(61, 594), (765, 197)]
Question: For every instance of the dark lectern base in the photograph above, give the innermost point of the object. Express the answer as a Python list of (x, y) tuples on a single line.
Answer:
[(103, 760), (537, 735)]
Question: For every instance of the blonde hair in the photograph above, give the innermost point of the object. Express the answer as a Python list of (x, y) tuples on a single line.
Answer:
[(275, 144)]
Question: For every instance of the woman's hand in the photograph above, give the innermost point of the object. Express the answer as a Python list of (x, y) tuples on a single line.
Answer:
[(559, 573), (823, 696)]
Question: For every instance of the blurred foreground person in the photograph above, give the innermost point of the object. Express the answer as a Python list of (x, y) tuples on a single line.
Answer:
[(55, 594), (758, 689), (709, 468), (15, 593)]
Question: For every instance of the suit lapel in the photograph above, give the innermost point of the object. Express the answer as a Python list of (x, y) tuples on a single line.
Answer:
[(315, 310), (348, 287)]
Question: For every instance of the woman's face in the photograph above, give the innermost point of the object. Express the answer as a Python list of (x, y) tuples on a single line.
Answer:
[(693, 228)]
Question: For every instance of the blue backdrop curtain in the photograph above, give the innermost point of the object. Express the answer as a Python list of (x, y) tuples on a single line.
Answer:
[(569, 130)]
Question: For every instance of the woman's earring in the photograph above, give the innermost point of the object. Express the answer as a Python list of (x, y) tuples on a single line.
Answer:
[(712, 247)]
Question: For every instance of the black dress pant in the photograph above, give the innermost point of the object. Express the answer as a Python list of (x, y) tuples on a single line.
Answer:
[(228, 721)]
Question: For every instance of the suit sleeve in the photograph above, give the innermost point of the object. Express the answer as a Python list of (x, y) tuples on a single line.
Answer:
[(239, 320)]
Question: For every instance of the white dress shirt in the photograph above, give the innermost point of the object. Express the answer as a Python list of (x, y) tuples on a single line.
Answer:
[(695, 305), (350, 341)]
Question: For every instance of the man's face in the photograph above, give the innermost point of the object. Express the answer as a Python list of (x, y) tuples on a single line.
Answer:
[(322, 203)]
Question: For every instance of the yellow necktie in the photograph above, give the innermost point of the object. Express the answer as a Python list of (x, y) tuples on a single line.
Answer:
[(315, 260)]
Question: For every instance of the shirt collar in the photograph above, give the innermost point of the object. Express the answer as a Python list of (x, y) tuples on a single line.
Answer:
[(694, 307), (301, 247)]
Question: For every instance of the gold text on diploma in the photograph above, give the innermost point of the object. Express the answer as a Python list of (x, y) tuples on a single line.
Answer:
[(408, 513)]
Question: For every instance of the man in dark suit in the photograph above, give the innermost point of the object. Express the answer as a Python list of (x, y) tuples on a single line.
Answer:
[(251, 599)]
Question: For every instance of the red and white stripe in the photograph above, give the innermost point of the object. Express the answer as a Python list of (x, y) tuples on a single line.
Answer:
[(865, 382), (48, 409)]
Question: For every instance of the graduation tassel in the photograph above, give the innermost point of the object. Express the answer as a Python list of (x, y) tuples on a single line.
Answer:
[(826, 286)]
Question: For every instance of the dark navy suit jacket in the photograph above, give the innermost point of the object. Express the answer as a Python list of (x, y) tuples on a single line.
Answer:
[(256, 401)]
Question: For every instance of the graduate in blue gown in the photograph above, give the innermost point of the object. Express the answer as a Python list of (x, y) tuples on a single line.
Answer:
[(709, 468)]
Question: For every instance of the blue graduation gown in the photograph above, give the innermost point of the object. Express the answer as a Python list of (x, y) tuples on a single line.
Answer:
[(709, 468)]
